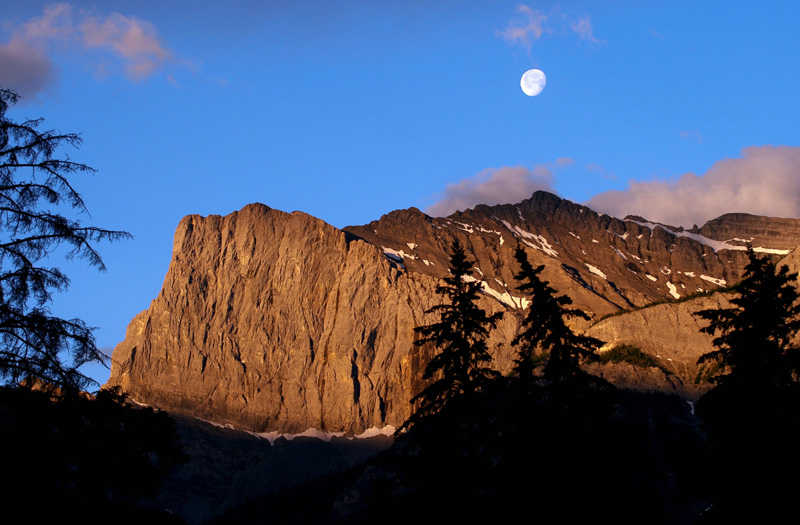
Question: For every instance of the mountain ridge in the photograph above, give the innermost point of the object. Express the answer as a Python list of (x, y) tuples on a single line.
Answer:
[(270, 320)]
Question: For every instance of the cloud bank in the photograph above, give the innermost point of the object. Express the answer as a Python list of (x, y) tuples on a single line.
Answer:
[(495, 186), (765, 181), (26, 63)]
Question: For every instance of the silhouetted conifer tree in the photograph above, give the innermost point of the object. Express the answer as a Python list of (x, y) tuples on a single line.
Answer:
[(754, 341), (460, 338), (752, 416), (545, 332), (38, 202)]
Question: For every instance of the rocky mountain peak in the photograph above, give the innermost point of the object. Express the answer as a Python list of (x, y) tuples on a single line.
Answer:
[(270, 320)]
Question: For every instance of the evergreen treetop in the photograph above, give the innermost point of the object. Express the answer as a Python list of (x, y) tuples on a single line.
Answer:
[(753, 338), (460, 338), (545, 331)]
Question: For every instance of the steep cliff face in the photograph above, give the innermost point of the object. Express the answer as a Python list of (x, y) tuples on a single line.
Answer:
[(743, 228), (269, 320), (276, 321)]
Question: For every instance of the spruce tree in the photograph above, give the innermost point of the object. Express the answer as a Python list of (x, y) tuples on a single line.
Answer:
[(752, 415), (545, 333), (459, 335), (754, 342)]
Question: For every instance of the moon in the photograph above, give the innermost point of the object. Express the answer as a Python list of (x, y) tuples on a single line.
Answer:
[(533, 82)]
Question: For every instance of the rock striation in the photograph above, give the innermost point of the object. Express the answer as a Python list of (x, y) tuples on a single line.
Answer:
[(278, 321)]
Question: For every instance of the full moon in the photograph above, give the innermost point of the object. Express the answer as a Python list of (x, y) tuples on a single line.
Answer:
[(533, 82)]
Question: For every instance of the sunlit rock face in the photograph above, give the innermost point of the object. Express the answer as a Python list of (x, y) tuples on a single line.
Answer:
[(276, 321), (743, 228)]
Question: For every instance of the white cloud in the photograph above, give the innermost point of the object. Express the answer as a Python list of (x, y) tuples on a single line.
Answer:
[(765, 181), (26, 61), (495, 186)]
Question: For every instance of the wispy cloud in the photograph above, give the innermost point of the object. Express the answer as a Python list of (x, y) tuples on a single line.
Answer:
[(765, 181), (492, 186), (692, 135), (525, 30), (583, 28), (26, 60), (532, 24), (132, 40)]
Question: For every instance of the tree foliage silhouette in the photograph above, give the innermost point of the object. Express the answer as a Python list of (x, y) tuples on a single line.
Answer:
[(460, 336), (752, 415), (754, 336), (545, 333), (35, 192)]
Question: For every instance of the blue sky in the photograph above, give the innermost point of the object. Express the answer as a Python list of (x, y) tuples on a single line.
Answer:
[(677, 111)]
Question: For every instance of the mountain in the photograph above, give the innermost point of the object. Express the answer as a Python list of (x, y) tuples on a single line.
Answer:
[(278, 321)]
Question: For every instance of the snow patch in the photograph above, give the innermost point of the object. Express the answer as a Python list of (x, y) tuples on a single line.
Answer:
[(654, 279), (673, 290), (465, 227), (595, 270), (411, 245), (388, 430), (690, 274), (505, 297), (427, 262), (543, 244), (718, 282), (484, 230), (618, 252), (397, 256)]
